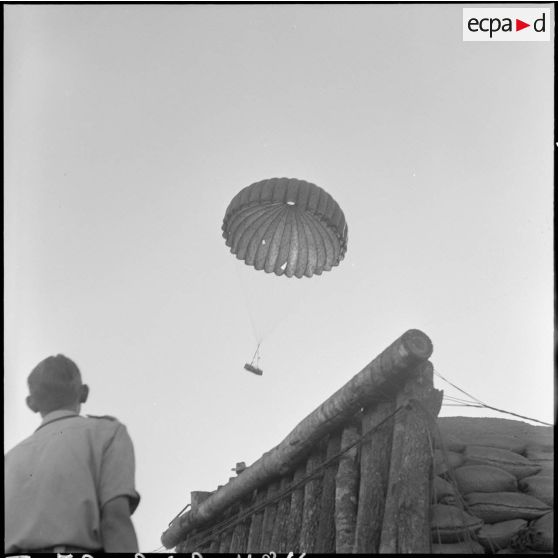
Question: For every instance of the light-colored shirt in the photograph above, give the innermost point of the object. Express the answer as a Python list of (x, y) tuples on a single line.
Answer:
[(58, 480)]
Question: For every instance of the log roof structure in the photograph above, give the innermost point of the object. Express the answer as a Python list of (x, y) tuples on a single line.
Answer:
[(374, 470)]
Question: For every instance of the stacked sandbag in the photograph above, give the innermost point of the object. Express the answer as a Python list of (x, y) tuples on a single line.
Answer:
[(507, 460), (453, 529), (493, 507), (446, 460), (483, 478), (469, 547), (501, 441), (502, 481), (443, 492), (450, 524), (540, 485), (499, 535), (539, 453), (537, 536), (542, 533), (491, 494)]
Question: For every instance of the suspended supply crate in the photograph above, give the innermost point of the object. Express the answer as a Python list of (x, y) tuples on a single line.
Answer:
[(255, 369)]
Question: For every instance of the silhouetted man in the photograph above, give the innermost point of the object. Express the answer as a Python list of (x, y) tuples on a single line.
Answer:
[(70, 485)]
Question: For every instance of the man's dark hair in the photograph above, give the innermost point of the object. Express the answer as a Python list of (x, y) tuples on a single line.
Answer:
[(55, 383)]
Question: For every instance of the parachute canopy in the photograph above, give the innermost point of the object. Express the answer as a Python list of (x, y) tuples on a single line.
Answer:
[(286, 226)]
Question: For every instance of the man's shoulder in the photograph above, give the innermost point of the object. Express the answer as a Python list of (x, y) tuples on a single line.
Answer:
[(15, 450), (106, 417), (103, 423)]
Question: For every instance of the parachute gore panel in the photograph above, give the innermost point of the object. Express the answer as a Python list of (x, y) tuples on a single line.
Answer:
[(286, 226)]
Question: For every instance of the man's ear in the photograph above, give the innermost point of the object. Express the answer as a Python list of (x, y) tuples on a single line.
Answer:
[(31, 404), (84, 393)]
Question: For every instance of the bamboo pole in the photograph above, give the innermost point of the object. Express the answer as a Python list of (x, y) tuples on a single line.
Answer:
[(294, 520), (382, 373), (374, 472), (346, 492), (406, 525), (325, 543)]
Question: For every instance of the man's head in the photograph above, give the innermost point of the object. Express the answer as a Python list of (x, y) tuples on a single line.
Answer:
[(55, 383)]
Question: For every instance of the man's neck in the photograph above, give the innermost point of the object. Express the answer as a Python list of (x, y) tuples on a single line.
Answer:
[(73, 408)]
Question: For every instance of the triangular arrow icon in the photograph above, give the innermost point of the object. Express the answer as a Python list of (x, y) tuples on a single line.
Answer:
[(519, 25)]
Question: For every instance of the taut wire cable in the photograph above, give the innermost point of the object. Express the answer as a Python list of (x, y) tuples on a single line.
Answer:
[(482, 404)]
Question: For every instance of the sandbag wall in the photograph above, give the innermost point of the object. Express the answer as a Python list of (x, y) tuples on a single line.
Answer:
[(494, 493), (354, 476)]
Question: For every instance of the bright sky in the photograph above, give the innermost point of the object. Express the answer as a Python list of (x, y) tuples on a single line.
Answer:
[(129, 128)]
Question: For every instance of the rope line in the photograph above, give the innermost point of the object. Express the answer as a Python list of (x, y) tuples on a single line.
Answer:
[(256, 356), (461, 405), (482, 404)]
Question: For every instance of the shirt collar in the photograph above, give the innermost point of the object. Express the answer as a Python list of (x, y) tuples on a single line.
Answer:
[(55, 415)]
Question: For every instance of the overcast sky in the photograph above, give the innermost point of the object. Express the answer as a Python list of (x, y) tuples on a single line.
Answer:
[(129, 128)]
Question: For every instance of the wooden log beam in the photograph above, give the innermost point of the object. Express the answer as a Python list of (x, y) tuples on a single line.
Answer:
[(225, 542), (374, 473), (255, 531), (226, 536), (381, 375), (239, 537), (184, 546), (198, 544), (406, 521), (214, 545), (204, 544), (239, 541), (192, 543), (269, 515), (325, 543), (346, 492), (294, 520), (311, 505), (278, 538), (197, 497)]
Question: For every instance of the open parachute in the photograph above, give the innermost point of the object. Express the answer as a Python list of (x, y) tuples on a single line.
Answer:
[(286, 226)]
